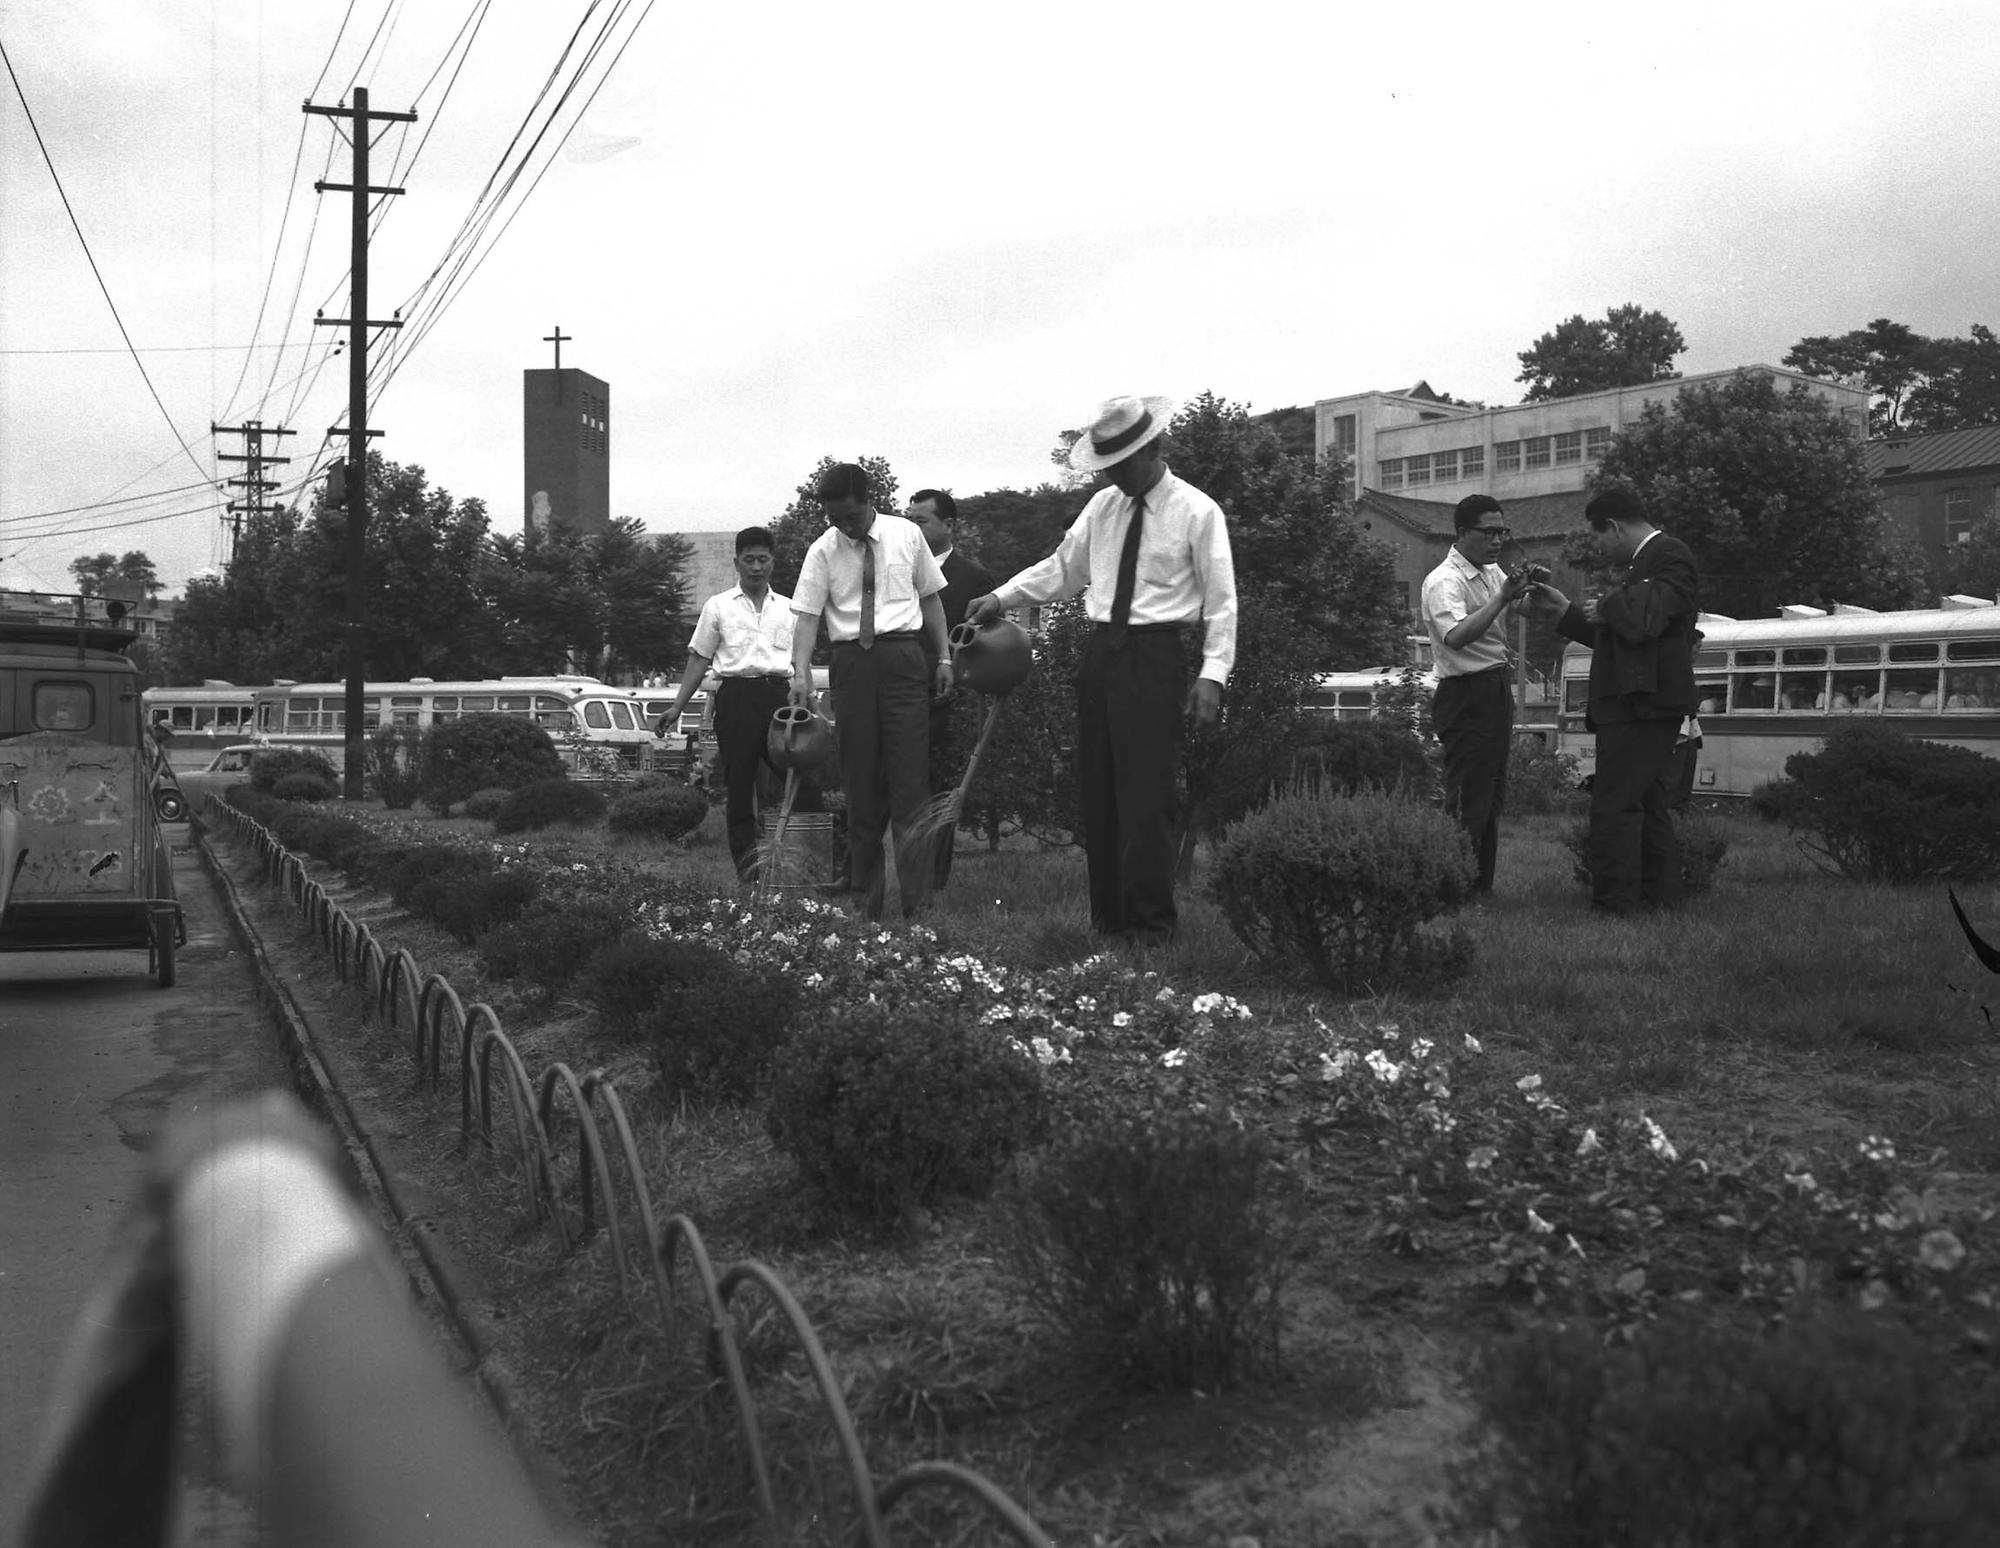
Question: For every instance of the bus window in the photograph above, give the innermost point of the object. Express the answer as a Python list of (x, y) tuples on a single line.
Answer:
[(1854, 691), (181, 717), (302, 715), (1856, 655), (594, 716), (1710, 660), (444, 707), (554, 719), (1754, 693), (1756, 658), (476, 704), (1973, 650), (1806, 690), (1711, 695), (406, 709), (1913, 650), (512, 703), (621, 715), (1576, 695), (1911, 688), (62, 707), (1971, 688)]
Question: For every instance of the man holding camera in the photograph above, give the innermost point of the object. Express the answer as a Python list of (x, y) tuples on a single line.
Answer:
[(1463, 602)]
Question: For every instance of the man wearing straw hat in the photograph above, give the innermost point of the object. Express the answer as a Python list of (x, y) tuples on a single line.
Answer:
[(745, 635), (874, 579), (1153, 552)]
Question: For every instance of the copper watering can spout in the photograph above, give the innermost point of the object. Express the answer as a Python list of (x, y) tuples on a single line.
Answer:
[(994, 657), (798, 738)]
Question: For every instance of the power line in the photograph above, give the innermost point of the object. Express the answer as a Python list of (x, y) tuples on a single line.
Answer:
[(49, 162), (156, 349), (71, 510)]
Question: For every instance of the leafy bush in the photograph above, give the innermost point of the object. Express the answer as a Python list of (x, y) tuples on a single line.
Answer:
[(550, 942), (548, 801), (396, 765), (1341, 883), (661, 809), (272, 764), (304, 786), (714, 1026), (1704, 844), (887, 1106), (1540, 779), (469, 907), (1776, 800), (485, 804), (1877, 805), (1354, 755), (1160, 1240), (1841, 1430), (479, 751), (416, 868)]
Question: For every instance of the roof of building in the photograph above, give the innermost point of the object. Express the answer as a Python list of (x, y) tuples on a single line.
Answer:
[(1531, 516), (1914, 456)]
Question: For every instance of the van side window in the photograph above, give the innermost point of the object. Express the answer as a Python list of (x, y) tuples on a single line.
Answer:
[(62, 707)]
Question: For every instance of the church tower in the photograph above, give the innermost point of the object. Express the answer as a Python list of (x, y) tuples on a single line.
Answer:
[(565, 446)]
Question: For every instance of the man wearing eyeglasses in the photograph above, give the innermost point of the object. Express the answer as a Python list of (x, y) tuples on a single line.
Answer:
[(1463, 600)]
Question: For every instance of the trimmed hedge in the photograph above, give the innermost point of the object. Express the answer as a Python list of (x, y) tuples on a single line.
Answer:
[(1877, 805), (480, 751), (546, 802)]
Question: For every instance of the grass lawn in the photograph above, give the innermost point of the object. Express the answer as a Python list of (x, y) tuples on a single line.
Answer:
[(1783, 1010)]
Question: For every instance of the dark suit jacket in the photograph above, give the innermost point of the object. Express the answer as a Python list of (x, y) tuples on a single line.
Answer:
[(1642, 647), (964, 579)]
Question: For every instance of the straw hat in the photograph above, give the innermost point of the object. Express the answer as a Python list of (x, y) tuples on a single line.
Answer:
[(1120, 427)]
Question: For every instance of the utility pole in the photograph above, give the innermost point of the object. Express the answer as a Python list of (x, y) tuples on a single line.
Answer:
[(358, 324), (253, 433)]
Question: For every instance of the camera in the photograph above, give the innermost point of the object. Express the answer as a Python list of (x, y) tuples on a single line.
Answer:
[(1534, 574)]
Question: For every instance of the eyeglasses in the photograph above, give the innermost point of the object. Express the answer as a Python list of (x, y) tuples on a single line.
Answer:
[(1499, 532)]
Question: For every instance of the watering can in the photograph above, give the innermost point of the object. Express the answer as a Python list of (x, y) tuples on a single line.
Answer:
[(798, 739), (994, 657)]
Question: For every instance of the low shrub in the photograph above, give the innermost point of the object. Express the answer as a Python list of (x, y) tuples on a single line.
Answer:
[(396, 765), (467, 908), (1540, 779), (1776, 800), (485, 804), (550, 941), (714, 1026), (888, 1106), (1840, 1430), (1349, 756), (1342, 884), (272, 764), (1877, 805), (304, 786), (659, 809), (480, 751), (419, 868), (546, 802), (1703, 841), (1159, 1242)]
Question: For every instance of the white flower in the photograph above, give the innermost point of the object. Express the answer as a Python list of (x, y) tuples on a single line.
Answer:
[(1940, 1250), (1174, 1058), (1047, 1052), (1385, 1068), (1574, 1245), (1590, 1144), (1528, 1083), (1122, 1019), (1538, 1225), (1389, 1030), (1472, 1044), (1481, 1158), (1421, 1048), (1165, 996), (1205, 1003), (1877, 1148), (1656, 1137), (1337, 1066), (1803, 1181)]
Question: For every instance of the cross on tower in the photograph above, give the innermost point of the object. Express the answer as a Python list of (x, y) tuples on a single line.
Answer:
[(557, 338)]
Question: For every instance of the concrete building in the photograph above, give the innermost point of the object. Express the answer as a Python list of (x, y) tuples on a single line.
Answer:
[(1937, 486), (565, 450), (1414, 457)]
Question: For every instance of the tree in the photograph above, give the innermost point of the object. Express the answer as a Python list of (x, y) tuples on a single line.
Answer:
[(1961, 385), (805, 518), (1972, 568), (1888, 358), (1009, 529), (605, 603), (132, 568), (1772, 494), (1295, 428), (1626, 348)]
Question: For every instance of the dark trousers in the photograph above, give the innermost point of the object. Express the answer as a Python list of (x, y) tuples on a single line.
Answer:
[(1634, 857), (1474, 718), (1128, 742), (881, 707), (743, 710)]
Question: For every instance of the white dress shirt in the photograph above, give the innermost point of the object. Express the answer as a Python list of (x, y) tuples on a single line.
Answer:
[(741, 639), (905, 573), (1186, 574), (1453, 592)]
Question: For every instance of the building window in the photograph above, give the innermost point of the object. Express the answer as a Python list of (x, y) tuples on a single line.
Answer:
[(1958, 516), (1417, 470), (1535, 451), (1596, 442), (1472, 462), (1444, 467), (1391, 472), (1507, 457), (1343, 434), (1569, 447)]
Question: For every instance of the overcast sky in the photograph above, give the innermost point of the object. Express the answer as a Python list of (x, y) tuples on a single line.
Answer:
[(933, 233)]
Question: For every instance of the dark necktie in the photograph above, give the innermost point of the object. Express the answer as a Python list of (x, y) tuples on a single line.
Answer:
[(1128, 576), (867, 594)]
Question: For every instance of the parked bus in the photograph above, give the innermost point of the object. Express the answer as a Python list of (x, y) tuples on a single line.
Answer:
[(203, 720), (588, 720), (1771, 687)]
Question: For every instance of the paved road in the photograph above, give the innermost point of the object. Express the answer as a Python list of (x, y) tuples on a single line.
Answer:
[(95, 1060)]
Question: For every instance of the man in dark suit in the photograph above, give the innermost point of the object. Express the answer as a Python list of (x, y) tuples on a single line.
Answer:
[(936, 512), (1641, 635)]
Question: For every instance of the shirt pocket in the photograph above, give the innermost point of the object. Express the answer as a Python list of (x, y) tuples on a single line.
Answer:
[(896, 581)]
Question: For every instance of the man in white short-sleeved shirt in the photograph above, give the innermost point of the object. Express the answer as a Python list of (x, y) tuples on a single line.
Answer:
[(873, 578), (745, 636)]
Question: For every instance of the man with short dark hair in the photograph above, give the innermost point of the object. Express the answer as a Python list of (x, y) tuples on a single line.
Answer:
[(745, 635), (873, 578), (1465, 600), (1153, 551), (1641, 635), (936, 513)]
